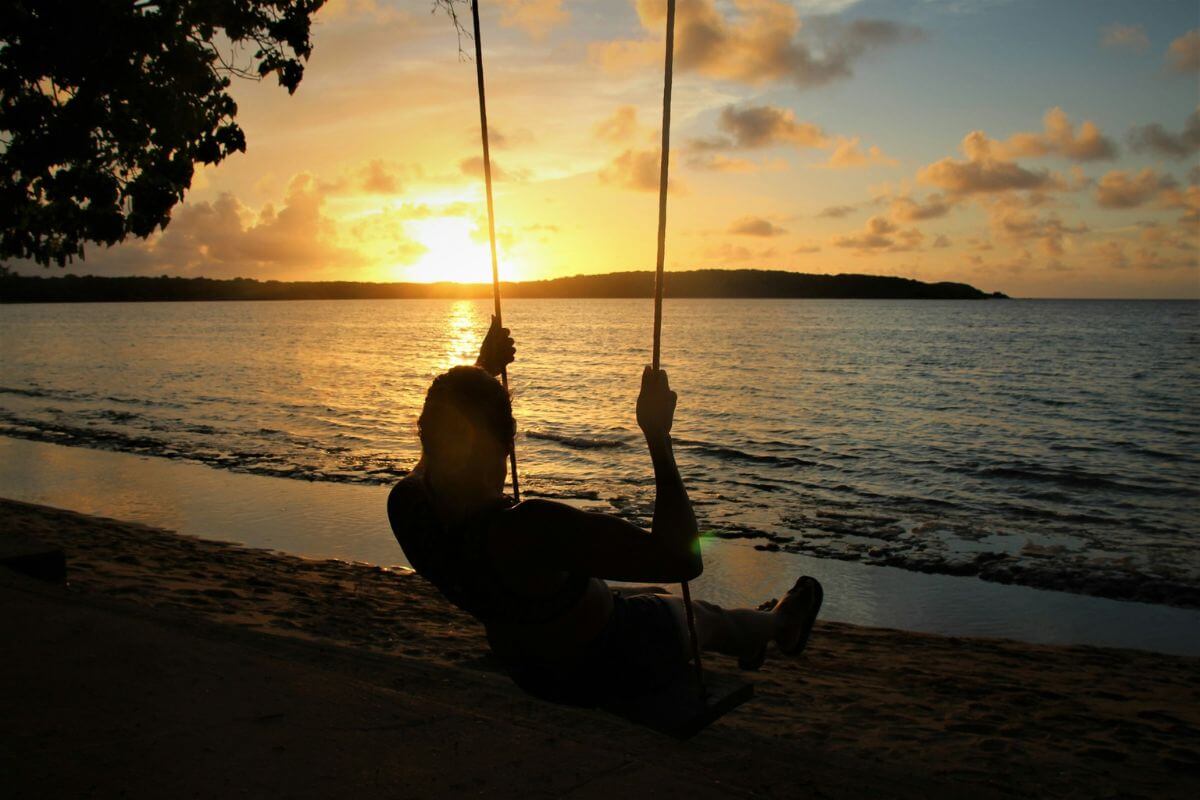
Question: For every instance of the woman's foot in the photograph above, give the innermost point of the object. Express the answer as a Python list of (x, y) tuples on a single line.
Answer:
[(797, 613)]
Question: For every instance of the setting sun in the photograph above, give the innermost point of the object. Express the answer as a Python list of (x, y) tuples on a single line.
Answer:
[(453, 252)]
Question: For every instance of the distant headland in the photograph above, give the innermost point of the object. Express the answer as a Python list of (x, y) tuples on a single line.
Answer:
[(712, 283)]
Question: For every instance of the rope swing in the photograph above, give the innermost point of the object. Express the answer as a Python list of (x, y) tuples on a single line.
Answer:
[(487, 180), (664, 166), (664, 170)]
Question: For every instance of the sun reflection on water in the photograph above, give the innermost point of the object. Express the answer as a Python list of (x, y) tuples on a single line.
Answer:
[(464, 326)]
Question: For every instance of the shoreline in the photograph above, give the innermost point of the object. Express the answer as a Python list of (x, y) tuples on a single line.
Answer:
[(1032, 566), (979, 714)]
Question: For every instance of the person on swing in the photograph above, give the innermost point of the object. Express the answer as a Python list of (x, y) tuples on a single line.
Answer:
[(533, 573)]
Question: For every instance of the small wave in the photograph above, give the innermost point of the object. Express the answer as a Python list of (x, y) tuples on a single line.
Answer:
[(30, 391), (580, 442), (1077, 479), (734, 454), (113, 415)]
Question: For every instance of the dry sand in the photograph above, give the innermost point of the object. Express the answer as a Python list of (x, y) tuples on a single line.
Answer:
[(179, 666)]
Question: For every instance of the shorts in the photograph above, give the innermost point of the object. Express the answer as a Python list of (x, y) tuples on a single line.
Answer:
[(639, 650)]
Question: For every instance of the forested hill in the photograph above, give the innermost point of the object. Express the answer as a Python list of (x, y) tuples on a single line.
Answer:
[(693, 283)]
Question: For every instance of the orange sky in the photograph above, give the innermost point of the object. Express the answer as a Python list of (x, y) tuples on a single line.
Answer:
[(1037, 149)]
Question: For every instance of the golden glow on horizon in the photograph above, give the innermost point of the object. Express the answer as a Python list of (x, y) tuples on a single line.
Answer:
[(454, 252)]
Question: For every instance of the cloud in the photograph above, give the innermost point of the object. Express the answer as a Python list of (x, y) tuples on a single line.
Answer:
[(848, 155), (755, 127), (807, 249), (835, 212), (942, 241), (753, 42), (906, 209), (226, 238), (378, 179), (1121, 189), (1183, 55), (1186, 199), (755, 226), (983, 172), (736, 252), (536, 17), (499, 139), (716, 162), (1156, 139), (878, 234), (637, 170), (472, 166), (620, 127), (1012, 221), (761, 127), (1059, 138), (1125, 37), (1157, 247)]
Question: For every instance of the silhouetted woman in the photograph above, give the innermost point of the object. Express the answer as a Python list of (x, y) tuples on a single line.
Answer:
[(534, 572)]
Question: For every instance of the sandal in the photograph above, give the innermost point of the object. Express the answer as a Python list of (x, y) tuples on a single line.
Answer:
[(804, 584), (813, 587)]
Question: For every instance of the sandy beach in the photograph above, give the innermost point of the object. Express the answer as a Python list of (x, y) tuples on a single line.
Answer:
[(171, 663)]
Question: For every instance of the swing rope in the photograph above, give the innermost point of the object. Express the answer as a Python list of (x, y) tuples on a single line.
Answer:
[(658, 273), (664, 165), (487, 180)]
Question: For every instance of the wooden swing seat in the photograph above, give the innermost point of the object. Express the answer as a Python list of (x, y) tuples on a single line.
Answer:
[(681, 709)]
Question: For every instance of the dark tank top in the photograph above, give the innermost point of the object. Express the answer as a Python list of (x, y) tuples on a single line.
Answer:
[(456, 561)]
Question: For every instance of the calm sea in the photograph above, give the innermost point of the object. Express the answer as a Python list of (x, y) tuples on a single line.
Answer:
[(1047, 443)]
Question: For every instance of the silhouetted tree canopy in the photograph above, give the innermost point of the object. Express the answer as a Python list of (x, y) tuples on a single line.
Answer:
[(106, 105)]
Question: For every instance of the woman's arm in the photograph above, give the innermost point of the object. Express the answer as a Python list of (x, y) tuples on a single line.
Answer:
[(549, 535)]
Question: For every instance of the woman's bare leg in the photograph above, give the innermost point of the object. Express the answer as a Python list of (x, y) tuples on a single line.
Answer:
[(732, 631)]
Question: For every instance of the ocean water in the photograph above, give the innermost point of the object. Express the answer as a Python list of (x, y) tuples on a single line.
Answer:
[(1046, 443)]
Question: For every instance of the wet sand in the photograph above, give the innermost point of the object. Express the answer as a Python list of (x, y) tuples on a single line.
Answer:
[(334, 678)]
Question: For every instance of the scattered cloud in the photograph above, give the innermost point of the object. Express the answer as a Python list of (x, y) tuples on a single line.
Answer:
[(835, 212), (225, 238), (505, 139), (760, 127), (619, 127), (726, 252), (377, 178), (1186, 199), (983, 172), (847, 154), (1012, 221), (880, 234), (906, 209), (755, 226), (1059, 138), (1125, 37), (637, 170), (942, 241), (718, 162), (754, 42), (755, 127), (1156, 139), (1121, 189), (472, 166), (1183, 55), (535, 17)]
